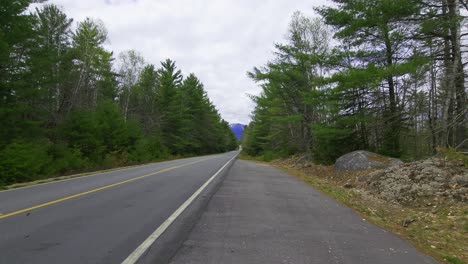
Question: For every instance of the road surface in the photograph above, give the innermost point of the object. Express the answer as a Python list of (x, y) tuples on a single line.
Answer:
[(97, 219), (262, 215), (235, 212)]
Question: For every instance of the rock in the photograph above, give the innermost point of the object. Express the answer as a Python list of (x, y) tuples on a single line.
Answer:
[(420, 182), (363, 178), (363, 160), (407, 222), (461, 180)]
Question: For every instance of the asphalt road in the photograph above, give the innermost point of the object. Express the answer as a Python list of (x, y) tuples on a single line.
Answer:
[(262, 215), (100, 218)]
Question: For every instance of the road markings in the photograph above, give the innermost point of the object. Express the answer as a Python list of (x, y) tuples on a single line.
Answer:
[(140, 250), (87, 175), (96, 190)]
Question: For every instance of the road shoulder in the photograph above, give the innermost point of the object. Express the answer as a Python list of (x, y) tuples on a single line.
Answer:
[(263, 215)]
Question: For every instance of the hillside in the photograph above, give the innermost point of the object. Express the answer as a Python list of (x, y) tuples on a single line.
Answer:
[(238, 130)]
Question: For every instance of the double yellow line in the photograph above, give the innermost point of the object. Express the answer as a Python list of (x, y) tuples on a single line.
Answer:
[(96, 190)]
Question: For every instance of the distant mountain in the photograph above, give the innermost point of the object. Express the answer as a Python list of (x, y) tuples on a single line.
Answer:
[(238, 130)]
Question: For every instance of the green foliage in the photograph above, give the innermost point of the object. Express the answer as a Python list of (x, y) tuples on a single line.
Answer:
[(451, 154), (149, 149), (376, 36), (368, 92), (64, 109), (100, 133), (332, 142), (23, 161), (118, 135), (82, 133), (66, 160), (453, 260), (114, 159), (290, 100)]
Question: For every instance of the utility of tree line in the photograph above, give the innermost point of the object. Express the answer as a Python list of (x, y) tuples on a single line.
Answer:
[(381, 75), (63, 107)]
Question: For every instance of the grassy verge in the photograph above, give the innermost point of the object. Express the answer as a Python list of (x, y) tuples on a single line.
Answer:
[(84, 174), (439, 229)]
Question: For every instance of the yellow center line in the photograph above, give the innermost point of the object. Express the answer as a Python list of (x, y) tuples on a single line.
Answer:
[(96, 190)]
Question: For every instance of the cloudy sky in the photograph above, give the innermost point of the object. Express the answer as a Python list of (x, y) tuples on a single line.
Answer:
[(218, 40)]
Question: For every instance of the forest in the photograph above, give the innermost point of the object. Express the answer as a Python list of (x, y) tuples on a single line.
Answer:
[(385, 75), (67, 104)]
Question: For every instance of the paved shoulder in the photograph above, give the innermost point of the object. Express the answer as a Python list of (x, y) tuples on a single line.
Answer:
[(262, 215)]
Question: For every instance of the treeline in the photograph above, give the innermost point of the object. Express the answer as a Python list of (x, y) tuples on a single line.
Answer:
[(381, 75), (67, 105)]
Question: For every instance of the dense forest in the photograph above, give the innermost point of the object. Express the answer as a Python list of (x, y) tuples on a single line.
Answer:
[(67, 104), (382, 75)]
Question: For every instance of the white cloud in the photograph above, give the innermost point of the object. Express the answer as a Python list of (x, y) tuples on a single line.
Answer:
[(218, 40)]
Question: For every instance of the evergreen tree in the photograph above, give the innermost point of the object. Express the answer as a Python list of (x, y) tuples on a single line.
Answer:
[(51, 61), (63, 108), (291, 82), (380, 41), (170, 79), (92, 71), (16, 112)]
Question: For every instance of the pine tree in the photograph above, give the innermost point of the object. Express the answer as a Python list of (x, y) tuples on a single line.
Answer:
[(290, 80), (380, 39)]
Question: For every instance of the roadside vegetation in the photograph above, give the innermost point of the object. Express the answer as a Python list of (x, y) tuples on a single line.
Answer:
[(67, 104), (383, 76), (436, 223)]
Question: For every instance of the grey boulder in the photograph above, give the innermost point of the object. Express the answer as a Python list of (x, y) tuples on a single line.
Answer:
[(461, 180), (363, 160)]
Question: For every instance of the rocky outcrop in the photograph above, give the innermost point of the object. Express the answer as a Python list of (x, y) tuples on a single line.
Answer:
[(363, 160), (461, 180), (420, 180)]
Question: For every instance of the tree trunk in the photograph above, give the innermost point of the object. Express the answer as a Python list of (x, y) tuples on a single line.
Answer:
[(432, 110), (458, 73), (393, 136), (448, 80)]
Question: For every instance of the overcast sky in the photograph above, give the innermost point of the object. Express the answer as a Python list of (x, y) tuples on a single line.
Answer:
[(218, 40)]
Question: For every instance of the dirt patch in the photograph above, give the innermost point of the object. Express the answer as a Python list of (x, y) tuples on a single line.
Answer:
[(425, 202)]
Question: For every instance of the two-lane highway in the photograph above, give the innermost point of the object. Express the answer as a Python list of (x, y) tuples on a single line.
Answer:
[(100, 218)]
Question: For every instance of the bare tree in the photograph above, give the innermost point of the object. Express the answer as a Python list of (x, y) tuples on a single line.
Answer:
[(131, 66)]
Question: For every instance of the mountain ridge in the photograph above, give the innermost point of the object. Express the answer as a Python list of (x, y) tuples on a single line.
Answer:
[(238, 130)]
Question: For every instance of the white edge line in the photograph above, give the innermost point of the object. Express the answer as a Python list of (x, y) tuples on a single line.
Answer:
[(140, 250)]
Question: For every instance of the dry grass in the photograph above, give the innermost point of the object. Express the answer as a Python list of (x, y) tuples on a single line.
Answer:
[(440, 229)]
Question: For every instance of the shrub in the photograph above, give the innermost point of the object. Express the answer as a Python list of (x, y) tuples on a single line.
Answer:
[(148, 149), (66, 160), (451, 154), (115, 159), (101, 136), (81, 131), (23, 161)]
